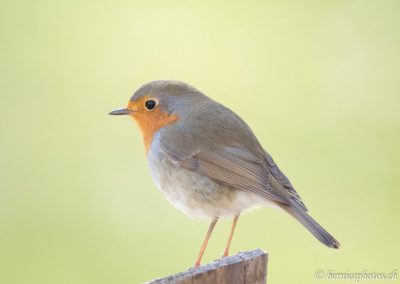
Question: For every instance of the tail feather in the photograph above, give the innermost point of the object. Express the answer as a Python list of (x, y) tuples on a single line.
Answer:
[(320, 233)]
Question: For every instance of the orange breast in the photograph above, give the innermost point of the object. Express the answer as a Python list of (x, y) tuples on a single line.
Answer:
[(150, 121)]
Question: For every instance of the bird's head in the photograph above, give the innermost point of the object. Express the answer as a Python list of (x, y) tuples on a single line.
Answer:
[(160, 103)]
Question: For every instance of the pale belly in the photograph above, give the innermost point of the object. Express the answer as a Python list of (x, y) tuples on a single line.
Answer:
[(196, 195)]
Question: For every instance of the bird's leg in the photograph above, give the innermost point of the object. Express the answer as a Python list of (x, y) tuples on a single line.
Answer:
[(228, 244), (203, 247)]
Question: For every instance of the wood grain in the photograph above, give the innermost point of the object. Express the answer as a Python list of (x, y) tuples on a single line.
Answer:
[(244, 268)]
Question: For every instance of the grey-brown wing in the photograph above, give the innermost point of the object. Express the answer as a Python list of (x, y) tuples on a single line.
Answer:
[(283, 180), (233, 167)]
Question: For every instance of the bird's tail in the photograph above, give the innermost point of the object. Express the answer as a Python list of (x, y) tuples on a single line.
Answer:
[(320, 233)]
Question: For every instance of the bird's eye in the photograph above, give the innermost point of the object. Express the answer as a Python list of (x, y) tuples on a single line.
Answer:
[(150, 104)]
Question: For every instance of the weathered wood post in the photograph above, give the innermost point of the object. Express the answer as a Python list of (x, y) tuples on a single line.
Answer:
[(248, 267)]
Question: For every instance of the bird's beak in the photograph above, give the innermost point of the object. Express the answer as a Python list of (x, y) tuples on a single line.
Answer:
[(121, 111)]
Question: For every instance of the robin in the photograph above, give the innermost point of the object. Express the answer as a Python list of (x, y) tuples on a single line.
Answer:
[(207, 161)]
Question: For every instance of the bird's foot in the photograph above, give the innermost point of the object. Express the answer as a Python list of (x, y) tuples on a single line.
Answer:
[(225, 254), (197, 264)]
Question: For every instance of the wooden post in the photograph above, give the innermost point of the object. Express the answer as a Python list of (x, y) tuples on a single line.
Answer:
[(248, 267)]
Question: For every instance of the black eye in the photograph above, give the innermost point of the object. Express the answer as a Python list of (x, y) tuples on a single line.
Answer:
[(150, 104)]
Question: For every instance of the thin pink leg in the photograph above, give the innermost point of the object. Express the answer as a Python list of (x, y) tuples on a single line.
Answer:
[(205, 242), (226, 252)]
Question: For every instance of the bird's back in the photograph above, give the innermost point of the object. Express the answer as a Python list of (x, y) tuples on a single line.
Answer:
[(209, 125)]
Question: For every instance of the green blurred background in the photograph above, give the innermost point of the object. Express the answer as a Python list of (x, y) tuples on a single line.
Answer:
[(318, 81)]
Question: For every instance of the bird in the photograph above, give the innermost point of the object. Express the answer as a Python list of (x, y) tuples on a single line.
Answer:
[(207, 161)]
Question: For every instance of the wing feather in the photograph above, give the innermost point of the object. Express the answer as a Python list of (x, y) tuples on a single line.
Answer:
[(233, 167), (283, 180)]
